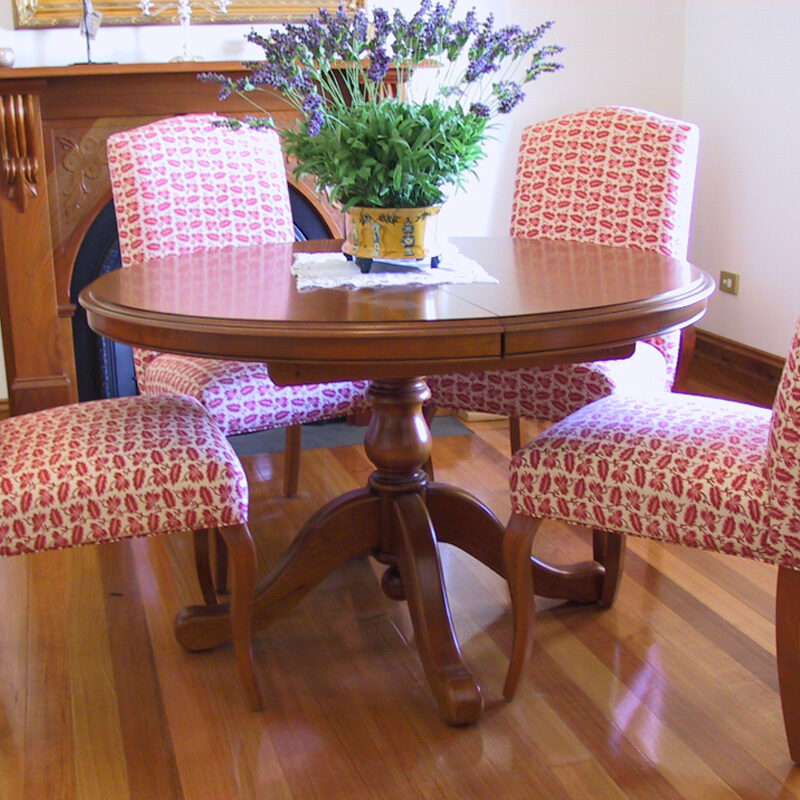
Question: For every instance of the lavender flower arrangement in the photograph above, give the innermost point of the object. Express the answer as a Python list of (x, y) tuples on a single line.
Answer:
[(365, 147)]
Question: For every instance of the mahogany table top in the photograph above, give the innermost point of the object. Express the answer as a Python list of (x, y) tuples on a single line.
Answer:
[(555, 301)]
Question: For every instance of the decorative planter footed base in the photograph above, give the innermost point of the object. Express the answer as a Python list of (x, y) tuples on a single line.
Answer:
[(391, 234), (365, 264)]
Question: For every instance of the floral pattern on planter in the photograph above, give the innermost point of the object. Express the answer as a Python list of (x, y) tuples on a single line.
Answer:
[(392, 233)]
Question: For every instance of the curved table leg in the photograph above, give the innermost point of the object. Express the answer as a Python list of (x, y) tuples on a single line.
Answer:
[(342, 529), (464, 521), (456, 691), (399, 519)]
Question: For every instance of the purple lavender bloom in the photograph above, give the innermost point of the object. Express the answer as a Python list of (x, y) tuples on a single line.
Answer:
[(314, 124), (479, 67), (380, 21), (400, 30), (509, 94), (300, 84), (360, 25), (479, 110), (312, 103), (379, 65)]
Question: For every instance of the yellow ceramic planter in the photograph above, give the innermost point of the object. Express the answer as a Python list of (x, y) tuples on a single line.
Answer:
[(390, 233)]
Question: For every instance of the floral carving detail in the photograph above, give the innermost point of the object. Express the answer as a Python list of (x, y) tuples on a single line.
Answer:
[(85, 162)]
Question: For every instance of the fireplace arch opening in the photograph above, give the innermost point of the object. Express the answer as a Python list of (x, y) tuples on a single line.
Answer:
[(104, 368)]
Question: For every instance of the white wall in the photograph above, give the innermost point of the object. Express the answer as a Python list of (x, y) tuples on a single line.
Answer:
[(741, 87)]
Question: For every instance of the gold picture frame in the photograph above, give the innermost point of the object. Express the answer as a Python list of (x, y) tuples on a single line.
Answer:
[(63, 14)]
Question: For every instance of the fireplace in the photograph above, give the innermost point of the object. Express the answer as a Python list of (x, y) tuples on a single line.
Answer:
[(104, 368), (55, 208)]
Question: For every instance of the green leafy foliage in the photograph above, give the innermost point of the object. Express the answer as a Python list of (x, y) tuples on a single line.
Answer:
[(365, 147), (390, 154)]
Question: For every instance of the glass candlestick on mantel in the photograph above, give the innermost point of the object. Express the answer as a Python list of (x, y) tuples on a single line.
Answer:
[(183, 10)]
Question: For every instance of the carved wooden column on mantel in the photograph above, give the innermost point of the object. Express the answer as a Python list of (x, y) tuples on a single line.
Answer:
[(36, 342)]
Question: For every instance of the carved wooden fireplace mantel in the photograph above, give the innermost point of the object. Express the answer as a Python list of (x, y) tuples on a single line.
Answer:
[(54, 122)]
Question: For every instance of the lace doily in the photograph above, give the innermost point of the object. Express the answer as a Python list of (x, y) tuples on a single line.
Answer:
[(332, 270)]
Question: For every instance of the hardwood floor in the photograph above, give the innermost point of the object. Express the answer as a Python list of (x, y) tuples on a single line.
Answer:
[(670, 694)]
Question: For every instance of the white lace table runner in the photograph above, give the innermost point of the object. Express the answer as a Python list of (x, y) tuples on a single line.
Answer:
[(331, 270)]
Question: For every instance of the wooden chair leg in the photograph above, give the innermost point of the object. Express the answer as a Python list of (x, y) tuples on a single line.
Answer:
[(220, 564), (515, 433), (517, 543), (609, 550), (429, 412), (291, 459), (787, 638), (685, 355), (243, 562), (202, 562)]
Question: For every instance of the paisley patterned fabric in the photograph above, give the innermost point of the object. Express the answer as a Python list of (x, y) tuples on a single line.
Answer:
[(697, 471), (552, 392), (182, 185), (241, 397), (112, 469), (614, 176), (684, 469), (783, 463)]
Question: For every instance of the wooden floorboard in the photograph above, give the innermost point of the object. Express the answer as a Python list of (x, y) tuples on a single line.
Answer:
[(672, 694)]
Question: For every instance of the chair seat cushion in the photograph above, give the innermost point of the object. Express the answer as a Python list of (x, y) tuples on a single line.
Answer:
[(678, 468), (551, 392), (241, 398), (112, 469)]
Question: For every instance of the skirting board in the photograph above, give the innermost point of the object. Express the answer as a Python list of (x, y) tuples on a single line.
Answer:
[(477, 416), (735, 371)]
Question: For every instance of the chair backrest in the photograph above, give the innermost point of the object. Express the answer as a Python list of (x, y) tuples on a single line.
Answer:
[(783, 463), (182, 184), (617, 176), (611, 175)]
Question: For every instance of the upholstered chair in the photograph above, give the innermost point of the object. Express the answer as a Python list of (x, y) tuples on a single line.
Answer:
[(615, 176), (135, 466), (183, 184), (694, 471)]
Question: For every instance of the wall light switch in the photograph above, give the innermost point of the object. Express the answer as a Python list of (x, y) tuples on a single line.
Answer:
[(729, 282)]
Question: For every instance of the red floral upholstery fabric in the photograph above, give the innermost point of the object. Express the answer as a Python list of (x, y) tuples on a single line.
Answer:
[(615, 176), (241, 397), (783, 464), (679, 468), (552, 392), (182, 185), (112, 469), (696, 471)]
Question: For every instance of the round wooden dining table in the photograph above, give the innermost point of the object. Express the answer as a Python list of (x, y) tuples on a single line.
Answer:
[(554, 302)]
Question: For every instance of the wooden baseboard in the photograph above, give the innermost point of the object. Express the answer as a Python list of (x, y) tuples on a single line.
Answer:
[(724, 368), (4, 409)]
